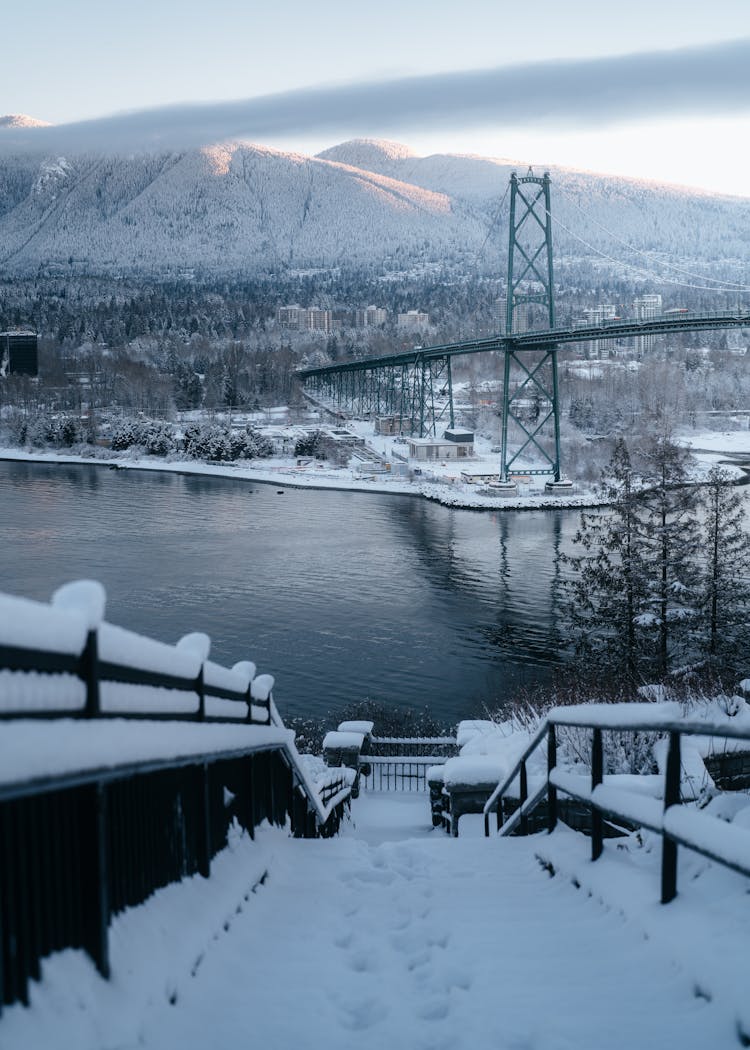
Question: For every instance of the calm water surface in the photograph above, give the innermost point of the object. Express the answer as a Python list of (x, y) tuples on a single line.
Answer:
[(339, 595)]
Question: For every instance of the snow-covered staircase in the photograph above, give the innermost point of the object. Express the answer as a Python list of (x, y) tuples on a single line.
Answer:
[(394, 935)]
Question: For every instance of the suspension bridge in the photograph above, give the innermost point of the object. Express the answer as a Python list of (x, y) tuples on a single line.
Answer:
[(416, 386)]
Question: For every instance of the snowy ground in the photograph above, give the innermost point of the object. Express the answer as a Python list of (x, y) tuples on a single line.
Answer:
[(394, 935)]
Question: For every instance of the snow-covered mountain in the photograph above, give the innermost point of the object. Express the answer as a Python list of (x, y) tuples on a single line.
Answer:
[(242, 208)]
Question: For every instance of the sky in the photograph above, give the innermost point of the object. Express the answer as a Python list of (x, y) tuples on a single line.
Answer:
[(657, 90)]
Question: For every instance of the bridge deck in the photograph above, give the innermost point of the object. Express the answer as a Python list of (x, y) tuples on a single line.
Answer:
[(417, 942), (608, 331)]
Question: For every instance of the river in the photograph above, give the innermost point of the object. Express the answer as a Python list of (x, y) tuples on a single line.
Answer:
[(339, 595)]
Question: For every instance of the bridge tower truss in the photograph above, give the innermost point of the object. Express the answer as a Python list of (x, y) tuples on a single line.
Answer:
[(530, 409), (419, 393)]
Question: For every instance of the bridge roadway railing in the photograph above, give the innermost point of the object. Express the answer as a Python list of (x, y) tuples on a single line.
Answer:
[(706, 321), (123, 764), (677, 824)]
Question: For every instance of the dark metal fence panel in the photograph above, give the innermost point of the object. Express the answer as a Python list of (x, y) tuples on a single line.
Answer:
[(398, 774), (73, 858)]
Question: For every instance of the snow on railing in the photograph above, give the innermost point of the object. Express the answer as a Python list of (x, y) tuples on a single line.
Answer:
[(64, 658), (677, 824), (124, 763)]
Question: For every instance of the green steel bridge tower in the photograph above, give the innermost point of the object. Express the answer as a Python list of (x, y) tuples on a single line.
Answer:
[(530, 392)]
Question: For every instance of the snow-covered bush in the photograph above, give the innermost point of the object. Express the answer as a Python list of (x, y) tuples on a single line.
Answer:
[(159, 439), (125, 434), (153, 435), (44, 430), (215, 442)]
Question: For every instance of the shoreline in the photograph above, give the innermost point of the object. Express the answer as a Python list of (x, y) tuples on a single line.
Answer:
[(285, 476)]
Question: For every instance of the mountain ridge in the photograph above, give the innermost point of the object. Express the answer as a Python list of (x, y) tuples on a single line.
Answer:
[(242, 207)]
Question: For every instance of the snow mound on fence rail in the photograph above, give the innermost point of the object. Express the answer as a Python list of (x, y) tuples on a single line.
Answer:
[(85, 597), (197, 643), (120, 646), (27, 624)]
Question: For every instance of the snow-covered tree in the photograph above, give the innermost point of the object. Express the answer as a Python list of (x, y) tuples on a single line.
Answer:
[(725, 582), (607, 588), (669, 542)]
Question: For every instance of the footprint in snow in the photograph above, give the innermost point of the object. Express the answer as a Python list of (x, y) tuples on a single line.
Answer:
[(361, 1014)]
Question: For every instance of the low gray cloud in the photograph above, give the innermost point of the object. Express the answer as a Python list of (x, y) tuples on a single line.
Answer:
[(705, 81)]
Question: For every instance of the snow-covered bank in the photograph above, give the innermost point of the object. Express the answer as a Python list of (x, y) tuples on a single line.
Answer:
[(284, 474)]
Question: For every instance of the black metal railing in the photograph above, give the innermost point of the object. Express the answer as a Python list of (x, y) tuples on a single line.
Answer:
[(115, 811), (253, 706), (398, 774), (436, 747), (677, 824)]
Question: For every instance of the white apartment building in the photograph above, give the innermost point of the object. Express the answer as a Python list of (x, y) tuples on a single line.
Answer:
[(644, 308), (300, 318), (413, 319)]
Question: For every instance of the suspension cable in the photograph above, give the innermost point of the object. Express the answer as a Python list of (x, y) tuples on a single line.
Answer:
[(493, 223), (639, 269), (726, 285)]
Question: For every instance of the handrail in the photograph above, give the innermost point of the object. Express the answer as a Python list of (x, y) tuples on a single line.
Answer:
[(503, 786), (94, 816), (692, 829)]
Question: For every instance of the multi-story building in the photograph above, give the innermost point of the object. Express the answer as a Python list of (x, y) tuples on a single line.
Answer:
[(593, 316), (644, 308), (300, 318), (19, 353), (413, 319), (319, 320), (291, 316), (370, 316)]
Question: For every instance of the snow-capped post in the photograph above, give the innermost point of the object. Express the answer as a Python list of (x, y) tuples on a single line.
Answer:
[(671, 798), (597, 776), (247, 668), (198, 645), (551, 789), (261, 690), (86, 599)]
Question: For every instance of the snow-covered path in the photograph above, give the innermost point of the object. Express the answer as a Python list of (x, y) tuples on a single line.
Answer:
[(392, 936), (429, 944)]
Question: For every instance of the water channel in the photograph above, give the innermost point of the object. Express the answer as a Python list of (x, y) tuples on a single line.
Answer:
[(339, 595)]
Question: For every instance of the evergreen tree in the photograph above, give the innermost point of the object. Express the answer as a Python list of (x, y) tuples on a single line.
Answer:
[(634, 599), (608, 586), (725, 584), (669, 541)]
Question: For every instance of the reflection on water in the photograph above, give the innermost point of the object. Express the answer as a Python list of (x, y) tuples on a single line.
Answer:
[(339, 595)]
